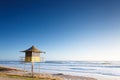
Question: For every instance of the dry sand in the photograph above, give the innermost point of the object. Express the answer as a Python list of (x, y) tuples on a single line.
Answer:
[(6, 78)]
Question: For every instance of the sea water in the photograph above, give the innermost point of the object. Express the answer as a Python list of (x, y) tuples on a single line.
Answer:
[(79, 68)]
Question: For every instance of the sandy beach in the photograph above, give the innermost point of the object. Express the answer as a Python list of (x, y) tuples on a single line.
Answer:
[(7, 73), (60, 39)]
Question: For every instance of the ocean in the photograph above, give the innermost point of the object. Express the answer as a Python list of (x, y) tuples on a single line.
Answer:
[(78, 68)]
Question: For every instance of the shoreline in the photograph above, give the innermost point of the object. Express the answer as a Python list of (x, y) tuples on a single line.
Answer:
[(14, 71), (61, 76)]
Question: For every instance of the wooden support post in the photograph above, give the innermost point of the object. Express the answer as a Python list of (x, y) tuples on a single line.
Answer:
[(32, 67), (39, 67), (24, 68)]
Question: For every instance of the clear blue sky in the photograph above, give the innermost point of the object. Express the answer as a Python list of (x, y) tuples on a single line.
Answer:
[(65, 29)]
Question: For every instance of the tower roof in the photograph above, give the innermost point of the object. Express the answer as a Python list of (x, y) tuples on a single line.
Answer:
[(33, 49)]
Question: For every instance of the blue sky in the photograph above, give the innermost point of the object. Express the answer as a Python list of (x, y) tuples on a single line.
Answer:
[(65, 29)]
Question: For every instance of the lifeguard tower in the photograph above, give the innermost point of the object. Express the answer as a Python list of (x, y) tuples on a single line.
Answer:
[(32, 55)]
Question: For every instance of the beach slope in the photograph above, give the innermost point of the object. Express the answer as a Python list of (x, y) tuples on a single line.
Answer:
[(7, 73)]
